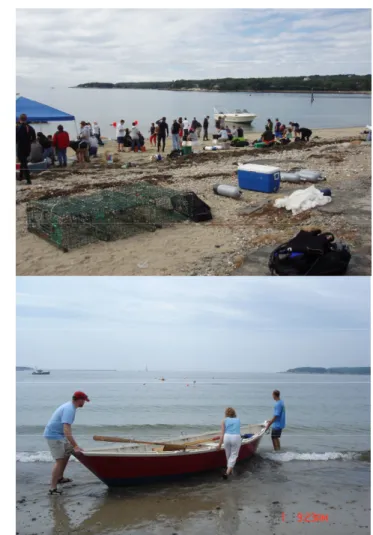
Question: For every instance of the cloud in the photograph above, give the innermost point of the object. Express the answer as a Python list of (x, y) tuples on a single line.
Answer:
[(69, 46), (196, 323)]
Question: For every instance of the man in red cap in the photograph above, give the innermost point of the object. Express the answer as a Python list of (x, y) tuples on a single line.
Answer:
[(60, 439)]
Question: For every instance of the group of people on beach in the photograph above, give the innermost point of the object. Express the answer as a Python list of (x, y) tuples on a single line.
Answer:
[(280, 132), (32, 147), (62, 444), (181, 130), (35, 148)]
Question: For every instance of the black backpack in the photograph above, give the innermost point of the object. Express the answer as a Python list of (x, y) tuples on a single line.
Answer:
[(191, 206), (310, 253)]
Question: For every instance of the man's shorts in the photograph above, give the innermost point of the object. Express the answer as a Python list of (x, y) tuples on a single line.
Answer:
[(60, 449), (120, 140), (276, 433)]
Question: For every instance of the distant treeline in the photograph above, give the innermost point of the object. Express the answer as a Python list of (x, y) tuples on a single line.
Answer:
[(22, 368), (333, 83), (347, 371)]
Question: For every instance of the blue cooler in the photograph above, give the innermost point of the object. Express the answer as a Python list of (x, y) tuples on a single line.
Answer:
[(256, 177)]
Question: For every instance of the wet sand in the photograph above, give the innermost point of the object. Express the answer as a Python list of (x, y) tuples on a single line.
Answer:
[(216, 247), (264, 497)]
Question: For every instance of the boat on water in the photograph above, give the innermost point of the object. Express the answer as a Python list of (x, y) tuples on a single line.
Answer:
[(131, 464), (237, 116), (40, 372)]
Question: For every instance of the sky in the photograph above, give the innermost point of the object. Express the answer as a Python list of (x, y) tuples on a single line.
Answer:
[(70, 46), (198, 323)]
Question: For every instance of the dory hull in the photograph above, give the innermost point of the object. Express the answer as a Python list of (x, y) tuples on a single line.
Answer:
[(121, 471)]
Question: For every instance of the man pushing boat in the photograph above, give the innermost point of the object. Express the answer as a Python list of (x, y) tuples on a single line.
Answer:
[(60, 440), (278, 421)]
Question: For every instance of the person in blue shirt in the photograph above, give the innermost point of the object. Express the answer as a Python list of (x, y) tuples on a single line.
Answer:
[(278, 421), (60, 439), (231, 436)]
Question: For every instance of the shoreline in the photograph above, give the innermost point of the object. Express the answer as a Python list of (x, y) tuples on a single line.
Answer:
[(196, 90)]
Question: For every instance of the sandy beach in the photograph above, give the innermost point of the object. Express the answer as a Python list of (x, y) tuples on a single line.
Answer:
[(239, 228), (264, 497)]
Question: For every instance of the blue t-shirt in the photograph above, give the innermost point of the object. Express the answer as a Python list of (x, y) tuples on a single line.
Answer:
[(65, 414), (279, 412), (232, 426)]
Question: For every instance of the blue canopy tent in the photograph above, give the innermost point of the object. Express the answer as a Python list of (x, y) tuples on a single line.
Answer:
[(36, 111)]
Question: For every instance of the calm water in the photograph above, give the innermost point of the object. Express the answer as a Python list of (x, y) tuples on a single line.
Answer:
[(106, 106), (325, 415)]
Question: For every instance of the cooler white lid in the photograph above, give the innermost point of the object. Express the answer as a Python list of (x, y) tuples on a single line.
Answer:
[(256, 168)]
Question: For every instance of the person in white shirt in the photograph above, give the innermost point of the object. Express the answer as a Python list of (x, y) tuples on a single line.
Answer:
[(186, 126), (135, 136), (223, 135), (96, 130), (121, 130)]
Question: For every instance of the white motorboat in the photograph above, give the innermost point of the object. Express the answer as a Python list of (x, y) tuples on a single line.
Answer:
[(38, 371), (238, 116)]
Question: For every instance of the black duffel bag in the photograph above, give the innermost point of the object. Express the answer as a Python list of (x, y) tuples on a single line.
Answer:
[(310, 253), (191, 206)]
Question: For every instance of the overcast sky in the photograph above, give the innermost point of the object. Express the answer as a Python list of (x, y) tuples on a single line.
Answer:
[(71, 46), (198, 323)]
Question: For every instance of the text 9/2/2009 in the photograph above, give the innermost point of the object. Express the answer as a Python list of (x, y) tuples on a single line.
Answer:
[(308, 517)]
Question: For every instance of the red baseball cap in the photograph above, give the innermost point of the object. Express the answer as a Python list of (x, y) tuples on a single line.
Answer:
[(81, 395)]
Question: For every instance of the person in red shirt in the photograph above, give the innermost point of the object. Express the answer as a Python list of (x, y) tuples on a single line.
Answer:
[(61, 141)]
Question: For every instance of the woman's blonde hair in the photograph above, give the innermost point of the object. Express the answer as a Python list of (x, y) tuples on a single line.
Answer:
[(230, 412)]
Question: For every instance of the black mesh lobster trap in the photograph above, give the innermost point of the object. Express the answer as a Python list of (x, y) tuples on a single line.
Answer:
[(70, 222)]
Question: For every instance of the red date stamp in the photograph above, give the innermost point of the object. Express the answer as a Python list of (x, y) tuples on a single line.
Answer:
[(308, 517)]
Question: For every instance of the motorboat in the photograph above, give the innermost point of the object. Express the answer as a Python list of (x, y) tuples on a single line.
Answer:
[(136, 464), (237, 116), (40, 372)]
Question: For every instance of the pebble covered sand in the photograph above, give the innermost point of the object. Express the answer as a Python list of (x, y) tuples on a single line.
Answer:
[(217, 247)]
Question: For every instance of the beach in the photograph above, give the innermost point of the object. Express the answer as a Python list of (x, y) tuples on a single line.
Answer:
[(239, 228), (260, 499)]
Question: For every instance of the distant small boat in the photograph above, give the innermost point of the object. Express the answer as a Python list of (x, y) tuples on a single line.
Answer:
[(238, 116), (40, 372), (162, 379)]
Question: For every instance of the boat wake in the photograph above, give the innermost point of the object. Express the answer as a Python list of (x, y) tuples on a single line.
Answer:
[(287, 456), (36, 457), (283, 457)]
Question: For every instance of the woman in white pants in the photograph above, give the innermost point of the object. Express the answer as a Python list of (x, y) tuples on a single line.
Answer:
[(231, 436)]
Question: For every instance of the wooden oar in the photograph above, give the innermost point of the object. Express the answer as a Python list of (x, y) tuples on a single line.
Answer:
[(132, 441), (166, 444), (195, 442)]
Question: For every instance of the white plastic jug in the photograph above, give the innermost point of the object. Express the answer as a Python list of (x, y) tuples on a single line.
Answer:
[(227, 191)]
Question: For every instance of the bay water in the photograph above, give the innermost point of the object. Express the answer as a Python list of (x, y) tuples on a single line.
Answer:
[(328, 416), (109, 105)]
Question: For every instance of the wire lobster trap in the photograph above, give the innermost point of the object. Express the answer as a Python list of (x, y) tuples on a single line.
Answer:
[(70, 222)]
